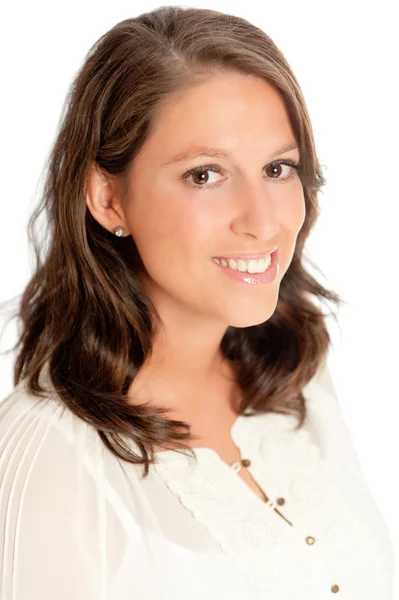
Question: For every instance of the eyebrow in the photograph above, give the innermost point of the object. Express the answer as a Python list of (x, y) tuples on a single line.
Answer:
[(197, 151)]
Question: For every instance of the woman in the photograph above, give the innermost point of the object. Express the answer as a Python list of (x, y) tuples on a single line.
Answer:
[(174, 431)]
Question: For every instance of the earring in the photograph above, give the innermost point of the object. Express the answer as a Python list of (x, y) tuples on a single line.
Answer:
[(119, 231)]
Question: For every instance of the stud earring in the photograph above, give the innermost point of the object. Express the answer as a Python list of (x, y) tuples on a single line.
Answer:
[(119, 231)]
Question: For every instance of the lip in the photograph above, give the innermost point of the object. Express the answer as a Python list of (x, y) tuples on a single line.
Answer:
[(248, 256), (268, 276)]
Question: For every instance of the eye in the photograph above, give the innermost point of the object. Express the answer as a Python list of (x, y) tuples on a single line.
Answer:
[(275, 172)]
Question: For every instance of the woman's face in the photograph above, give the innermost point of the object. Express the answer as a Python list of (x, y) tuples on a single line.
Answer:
[(179, 221)]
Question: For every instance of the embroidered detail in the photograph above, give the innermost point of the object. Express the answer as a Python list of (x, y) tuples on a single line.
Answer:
[(284, 463), (250, 532)]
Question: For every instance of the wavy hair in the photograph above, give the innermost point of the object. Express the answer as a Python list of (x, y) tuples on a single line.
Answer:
[(83, 314)]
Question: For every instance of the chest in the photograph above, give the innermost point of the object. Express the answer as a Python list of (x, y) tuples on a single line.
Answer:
[(319, 540)]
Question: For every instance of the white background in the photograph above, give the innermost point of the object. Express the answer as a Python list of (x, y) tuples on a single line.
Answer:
[(345, 57)]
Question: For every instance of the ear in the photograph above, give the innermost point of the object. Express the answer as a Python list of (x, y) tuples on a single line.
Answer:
[(103, 200)]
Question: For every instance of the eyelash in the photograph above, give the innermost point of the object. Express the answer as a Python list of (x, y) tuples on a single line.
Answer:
[(216, 169)]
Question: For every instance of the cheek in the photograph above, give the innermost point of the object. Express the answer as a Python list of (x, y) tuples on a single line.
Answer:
[(292, 211), (291, 218), (301, 211), (167, 225), (299, 214)]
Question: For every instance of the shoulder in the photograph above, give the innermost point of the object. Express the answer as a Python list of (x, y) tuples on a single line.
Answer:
[(29, 419), (321, 388), (323, 407), (326, 423), (48, 451), (44, 447)]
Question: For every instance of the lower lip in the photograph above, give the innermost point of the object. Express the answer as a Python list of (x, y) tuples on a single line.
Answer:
[(255, 278)]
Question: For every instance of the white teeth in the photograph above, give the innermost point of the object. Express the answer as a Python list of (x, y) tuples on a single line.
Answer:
[(250, 266)]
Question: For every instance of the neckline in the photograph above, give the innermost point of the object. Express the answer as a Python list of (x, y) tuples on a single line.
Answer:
[(204, 451)]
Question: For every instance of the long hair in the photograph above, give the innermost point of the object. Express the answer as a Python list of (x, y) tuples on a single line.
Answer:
[(83, 315)]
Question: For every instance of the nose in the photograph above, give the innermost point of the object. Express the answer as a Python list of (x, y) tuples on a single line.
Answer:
[(256, 214)]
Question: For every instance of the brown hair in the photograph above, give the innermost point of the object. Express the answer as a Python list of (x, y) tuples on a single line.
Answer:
[(83, 313)]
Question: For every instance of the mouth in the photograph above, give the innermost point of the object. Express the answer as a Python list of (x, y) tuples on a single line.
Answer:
[(251, 265), (252, 271)]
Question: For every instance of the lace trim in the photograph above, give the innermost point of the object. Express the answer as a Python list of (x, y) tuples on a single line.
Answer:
[(285, 464)]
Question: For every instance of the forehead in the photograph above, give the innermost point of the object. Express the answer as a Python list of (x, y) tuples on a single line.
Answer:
[(231, 111)]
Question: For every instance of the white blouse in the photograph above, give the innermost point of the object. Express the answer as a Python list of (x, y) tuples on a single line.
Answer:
[(77, 523)]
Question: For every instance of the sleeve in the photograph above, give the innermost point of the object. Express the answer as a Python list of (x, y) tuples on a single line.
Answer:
[(48, 550)]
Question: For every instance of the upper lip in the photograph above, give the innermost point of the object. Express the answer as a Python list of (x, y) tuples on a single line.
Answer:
[(249, 255)]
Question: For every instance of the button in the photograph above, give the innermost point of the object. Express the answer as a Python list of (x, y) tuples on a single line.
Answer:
[(236, 467), (280, 501), (310, 540), (246, 462), (335, 588)]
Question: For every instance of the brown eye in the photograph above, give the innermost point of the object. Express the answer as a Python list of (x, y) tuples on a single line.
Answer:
[(274, 171), (200, 177)]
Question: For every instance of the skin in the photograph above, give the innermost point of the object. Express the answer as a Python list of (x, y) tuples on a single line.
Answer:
[(178, 228)]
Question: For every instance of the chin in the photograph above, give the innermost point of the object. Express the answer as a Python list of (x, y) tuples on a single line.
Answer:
[(249, 318)]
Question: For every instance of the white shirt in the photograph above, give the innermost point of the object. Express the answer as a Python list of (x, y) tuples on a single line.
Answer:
[(77, 523)]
